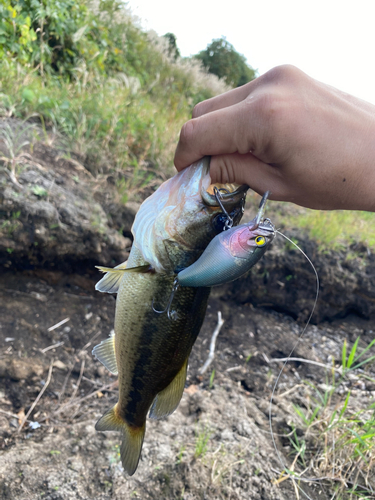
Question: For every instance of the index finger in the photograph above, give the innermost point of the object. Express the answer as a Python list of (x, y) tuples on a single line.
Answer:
[(229, 98), (222, 131)]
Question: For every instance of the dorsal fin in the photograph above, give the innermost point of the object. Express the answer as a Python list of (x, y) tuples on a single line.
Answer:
[(105, 353), (168, 399)]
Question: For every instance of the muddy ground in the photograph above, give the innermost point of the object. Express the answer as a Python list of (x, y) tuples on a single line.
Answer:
[(216, 445)]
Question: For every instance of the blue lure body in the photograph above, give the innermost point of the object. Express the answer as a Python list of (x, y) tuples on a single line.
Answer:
[(231, 253)]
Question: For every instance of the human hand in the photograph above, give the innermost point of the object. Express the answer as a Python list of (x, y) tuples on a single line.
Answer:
[(305, 141)]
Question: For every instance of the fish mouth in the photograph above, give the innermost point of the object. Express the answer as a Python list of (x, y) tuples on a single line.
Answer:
[(231, 195)]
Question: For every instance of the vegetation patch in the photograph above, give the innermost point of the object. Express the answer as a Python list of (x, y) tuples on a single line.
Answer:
[(338, 229), (334, 439)]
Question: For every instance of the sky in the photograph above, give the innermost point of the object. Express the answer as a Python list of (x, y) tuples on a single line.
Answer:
[(332, 41)]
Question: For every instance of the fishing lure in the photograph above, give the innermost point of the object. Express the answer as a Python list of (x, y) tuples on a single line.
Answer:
[(229, 255)]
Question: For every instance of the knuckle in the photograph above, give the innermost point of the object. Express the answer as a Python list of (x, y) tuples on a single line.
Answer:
[(282, 73), (188, 131), (198, 110)]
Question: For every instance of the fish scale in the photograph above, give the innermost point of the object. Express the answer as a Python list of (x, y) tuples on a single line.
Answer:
[(155, 348)]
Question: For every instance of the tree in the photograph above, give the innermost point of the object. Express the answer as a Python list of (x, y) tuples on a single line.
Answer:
[(221, 59), (172, 45)]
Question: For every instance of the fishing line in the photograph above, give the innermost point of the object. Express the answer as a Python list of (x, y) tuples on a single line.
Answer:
[(294, 347)]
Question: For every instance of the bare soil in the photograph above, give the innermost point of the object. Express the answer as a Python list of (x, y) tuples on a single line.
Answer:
[(65, 458)]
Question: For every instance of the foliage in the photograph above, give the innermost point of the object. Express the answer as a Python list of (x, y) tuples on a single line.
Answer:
[(66, 36), (113, 93), (60, 36), (335, 438), (41, 32), (173, 50), (221, 59), (337, 229)]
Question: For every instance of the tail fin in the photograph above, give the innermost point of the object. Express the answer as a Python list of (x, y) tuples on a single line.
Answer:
[(132, 438)]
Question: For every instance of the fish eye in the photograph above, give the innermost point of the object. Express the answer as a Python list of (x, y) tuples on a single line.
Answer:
[(260, 241)]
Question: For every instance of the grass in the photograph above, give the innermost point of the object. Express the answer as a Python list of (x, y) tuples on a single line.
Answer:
[(202, 437), (337, 229), (12, 154), (334, 439), (118, 105), (101, 121), (340, 230)]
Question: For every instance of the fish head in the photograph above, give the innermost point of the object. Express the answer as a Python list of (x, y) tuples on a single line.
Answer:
[(176, 223)]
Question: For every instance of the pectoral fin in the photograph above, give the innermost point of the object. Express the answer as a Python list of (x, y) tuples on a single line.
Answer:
[(168, 399), (110, 283), (105, 353), (132, 438)]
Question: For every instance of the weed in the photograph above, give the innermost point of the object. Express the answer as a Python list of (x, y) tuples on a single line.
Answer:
[(336, 439), (10, 226), (337, 229), (212, 376), (289, 246), (180, 454), (118, 98), (115, 455), (40, 191), (13, 141), (202, 438), (248, 358)]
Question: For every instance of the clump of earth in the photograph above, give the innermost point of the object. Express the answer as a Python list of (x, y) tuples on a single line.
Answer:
[(57, 221)]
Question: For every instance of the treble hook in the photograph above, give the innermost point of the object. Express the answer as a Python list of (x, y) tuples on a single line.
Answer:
[(229, 222), (171, 297), (262, 205)]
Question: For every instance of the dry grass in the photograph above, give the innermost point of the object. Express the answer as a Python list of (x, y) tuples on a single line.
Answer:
[(333, 436)]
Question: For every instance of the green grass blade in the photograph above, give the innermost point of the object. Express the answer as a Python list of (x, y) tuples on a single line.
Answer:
[(363, 362), (352, 353), (343, 409), (343, 362), (366, 349)]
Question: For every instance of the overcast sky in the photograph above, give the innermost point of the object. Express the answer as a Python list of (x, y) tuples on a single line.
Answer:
[(333, 41)]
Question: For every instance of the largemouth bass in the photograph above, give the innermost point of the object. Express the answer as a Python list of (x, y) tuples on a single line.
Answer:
[(150, 351)]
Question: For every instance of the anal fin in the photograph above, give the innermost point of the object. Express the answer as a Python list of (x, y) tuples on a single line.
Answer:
[(105, 353), (169, 398)]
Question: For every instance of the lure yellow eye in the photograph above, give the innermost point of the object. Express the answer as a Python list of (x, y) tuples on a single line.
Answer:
[(260, 241)]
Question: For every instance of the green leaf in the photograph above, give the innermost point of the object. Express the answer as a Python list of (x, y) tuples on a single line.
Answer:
[(28, 95)]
